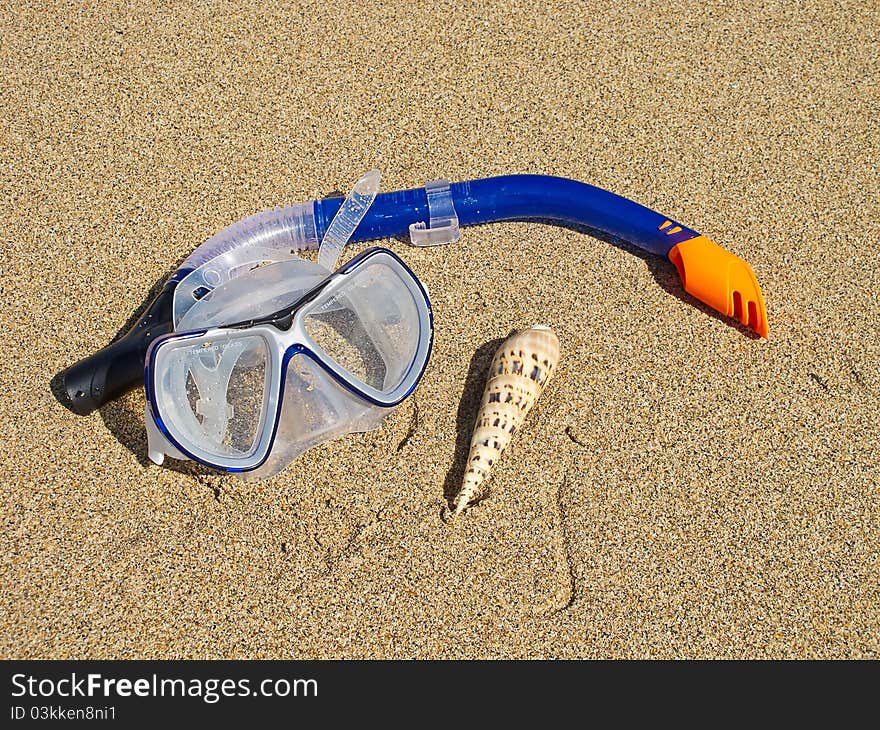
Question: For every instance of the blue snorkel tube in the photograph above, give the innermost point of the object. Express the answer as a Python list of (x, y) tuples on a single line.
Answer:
[(432, 215), (517, 198)]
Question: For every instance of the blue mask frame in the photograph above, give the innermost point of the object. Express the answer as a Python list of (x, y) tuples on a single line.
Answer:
[(285, 324)]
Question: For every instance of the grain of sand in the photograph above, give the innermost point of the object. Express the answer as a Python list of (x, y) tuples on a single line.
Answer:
[(682, 490)]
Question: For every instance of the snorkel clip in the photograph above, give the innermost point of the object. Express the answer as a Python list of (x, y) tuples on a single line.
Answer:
[(442, 227)]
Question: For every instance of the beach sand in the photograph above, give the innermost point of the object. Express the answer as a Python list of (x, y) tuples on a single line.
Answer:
[(681, 490)]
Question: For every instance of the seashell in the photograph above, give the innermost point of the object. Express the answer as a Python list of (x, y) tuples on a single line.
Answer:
[(520, 370)]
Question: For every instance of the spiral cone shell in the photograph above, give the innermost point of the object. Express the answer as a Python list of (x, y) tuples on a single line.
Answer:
[(520, 370)]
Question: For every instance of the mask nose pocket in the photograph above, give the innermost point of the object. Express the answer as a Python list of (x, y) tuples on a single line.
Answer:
[(315, 408)]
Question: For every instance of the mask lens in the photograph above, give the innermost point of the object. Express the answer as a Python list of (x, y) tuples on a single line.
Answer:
[(369, 326), (211, 394)]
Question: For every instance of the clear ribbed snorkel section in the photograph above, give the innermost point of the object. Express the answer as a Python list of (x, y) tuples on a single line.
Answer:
[(286, 229), (269, 236)]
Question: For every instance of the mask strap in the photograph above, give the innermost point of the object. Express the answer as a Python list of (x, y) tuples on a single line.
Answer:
[(347, 218)]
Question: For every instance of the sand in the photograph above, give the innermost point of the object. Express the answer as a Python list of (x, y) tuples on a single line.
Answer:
[(682, 490)]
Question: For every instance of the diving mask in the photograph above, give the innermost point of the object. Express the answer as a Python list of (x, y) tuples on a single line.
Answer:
[(252, 396)]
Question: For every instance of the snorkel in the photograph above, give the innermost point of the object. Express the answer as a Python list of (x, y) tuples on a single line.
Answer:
[(430, 215)]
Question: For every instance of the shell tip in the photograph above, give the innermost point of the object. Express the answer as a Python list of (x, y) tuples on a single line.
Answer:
[(460, 505), (539, 327)]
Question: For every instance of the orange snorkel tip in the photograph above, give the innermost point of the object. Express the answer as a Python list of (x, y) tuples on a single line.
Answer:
[(722, 280)]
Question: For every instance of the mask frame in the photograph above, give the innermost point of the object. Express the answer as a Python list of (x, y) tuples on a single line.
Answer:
[(285, 335)]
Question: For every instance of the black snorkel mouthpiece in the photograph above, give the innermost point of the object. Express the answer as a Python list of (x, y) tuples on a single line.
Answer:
[(119, 367)]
